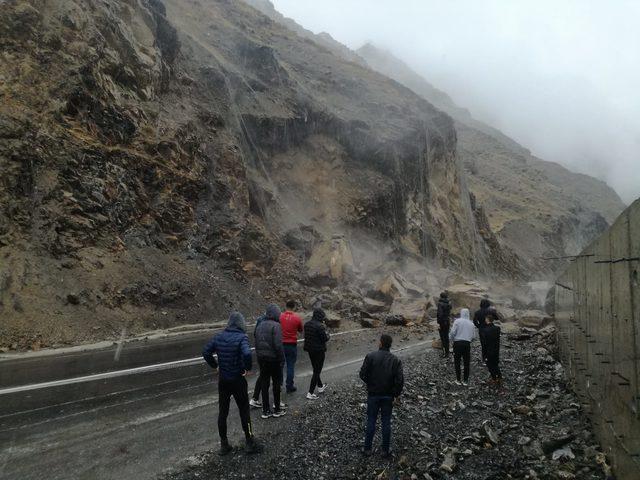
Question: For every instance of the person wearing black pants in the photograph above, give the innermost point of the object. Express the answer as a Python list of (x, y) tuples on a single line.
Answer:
[(315, 343), (461, 334), (233, 363), (481, 319), (270, 353)]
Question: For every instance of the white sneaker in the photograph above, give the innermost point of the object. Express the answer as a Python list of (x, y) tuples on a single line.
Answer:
[(322, 388), (267, 415), (312, 396), (279, 413), (458, 382), (465, 384), (282, 406), (255, 403)]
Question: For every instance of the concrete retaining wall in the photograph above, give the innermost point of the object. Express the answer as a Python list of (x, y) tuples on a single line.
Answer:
[(598, 317)]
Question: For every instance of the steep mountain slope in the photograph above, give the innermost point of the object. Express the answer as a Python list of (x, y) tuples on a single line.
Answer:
[(539, 209), (163, 163)]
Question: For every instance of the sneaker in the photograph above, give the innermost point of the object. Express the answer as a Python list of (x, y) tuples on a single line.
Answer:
[(267, 414), (279, 413), (322, 388), (255, 403), (291, 389), (458, 382), (312, 396), (225, 449), (465, 384), (253, 447)]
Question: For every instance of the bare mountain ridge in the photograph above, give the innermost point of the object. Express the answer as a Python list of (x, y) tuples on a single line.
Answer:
[(165, 162), (518, 190)]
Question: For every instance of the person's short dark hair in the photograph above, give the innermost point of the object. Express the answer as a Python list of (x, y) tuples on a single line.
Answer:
[(485, 303), (291, 304), (386, 341)]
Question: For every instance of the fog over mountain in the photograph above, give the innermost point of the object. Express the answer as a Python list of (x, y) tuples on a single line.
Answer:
[(559, 78)]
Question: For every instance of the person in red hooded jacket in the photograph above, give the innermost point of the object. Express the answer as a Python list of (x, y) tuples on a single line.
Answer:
[(291, 324)]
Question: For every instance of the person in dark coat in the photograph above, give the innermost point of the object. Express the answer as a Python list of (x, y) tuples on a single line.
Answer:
[(315, 344), (480, 321), (233, 364), (491, 334), (444, 318), (382, 372), (270, 353)]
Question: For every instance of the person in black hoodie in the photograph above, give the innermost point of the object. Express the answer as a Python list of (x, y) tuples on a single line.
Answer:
[(315, 343), (480, 321), (382, 372), (443, 316), (491, 335)]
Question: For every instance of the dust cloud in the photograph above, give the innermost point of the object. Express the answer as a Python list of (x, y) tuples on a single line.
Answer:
[(559, 77)]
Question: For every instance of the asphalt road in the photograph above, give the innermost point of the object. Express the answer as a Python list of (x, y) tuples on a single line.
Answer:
[(145, 421)]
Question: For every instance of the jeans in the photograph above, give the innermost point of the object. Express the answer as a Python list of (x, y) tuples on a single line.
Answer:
[(462, 350), (270, 370), (290, 355), (383, 405), (237, 389), (317, 362)]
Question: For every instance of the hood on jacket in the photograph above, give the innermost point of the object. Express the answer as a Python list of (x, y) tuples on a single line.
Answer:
[(485, 303), (319, 315), (272, 312), (236, 320), (464, 314), (444, 296)]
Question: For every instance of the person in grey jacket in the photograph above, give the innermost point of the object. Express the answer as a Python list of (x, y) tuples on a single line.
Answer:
[(462, 333), (270, 353)]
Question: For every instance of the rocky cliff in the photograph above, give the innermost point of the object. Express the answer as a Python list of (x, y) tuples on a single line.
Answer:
[(538, 209), (164, 162)]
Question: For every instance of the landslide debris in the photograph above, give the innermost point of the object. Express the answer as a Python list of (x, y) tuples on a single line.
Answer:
[(533, 427)]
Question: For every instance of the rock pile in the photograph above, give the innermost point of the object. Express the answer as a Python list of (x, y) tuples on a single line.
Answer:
[(533, 427)]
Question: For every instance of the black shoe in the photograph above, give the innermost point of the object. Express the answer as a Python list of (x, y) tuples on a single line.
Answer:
[(367, 453), (253, 447), (225, 449), (291, 389)]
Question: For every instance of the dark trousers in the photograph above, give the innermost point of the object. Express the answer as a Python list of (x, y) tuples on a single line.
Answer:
[(493, 364), (270, 370), (383, 405), (462, 351), (290, 355), (482, 344), (444, 338), (237, 389), (317, 362)]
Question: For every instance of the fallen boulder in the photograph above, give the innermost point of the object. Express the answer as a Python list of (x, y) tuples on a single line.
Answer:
[(397, 320), (533, 319), (330, 263), (372, 305), (413, 310)]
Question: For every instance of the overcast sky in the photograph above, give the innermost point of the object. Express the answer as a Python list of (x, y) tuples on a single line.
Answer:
[(562, 77)]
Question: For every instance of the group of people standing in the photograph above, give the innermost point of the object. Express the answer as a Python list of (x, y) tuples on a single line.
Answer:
[(276, 345), (463, 332)]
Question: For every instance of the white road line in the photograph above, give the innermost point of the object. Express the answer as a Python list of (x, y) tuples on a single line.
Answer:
[(128, 371)]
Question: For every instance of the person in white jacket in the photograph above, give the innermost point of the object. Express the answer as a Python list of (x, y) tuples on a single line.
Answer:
[(462, 333)]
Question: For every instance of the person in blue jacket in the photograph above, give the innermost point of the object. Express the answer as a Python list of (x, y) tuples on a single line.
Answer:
[(233, 364)]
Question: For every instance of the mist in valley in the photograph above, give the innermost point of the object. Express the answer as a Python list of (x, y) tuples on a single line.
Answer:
[(559, 78)]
